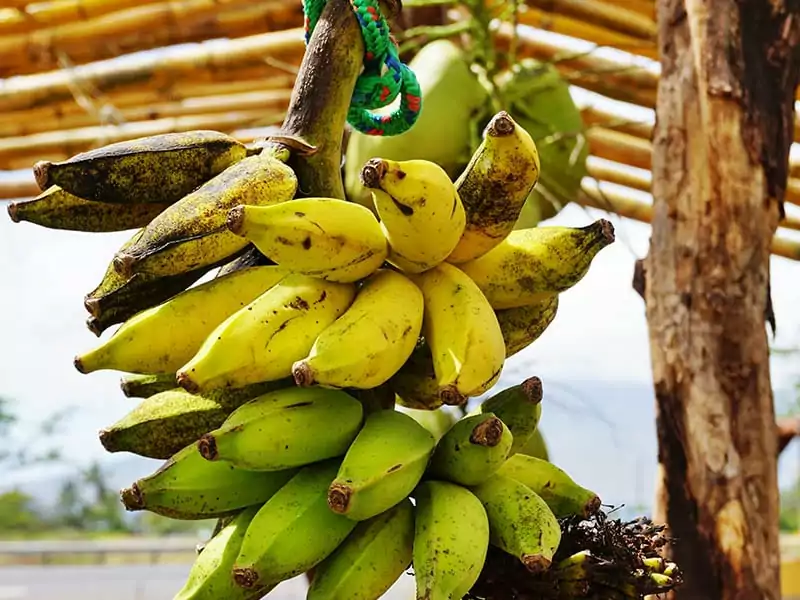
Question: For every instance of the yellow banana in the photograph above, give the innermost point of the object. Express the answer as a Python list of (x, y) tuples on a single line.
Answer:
[(420, 211), (160, 168), (191, 233), (371, 341), (370, 560), (532, 264), (320, 237), (520, 408), (523, 325), (163, 338), (494, 186), (58, 209), (462, 331), (382, 466), (450, 540), (261, 341)]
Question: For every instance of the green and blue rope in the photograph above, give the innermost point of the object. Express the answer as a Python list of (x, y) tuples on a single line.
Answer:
[(384, 77)]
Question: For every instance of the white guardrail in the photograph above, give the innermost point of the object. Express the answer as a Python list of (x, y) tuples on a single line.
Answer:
[(47, 550)]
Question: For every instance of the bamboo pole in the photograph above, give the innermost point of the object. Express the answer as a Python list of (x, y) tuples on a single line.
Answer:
[(36, 90), (605, 14), (620, 147), (141, 27), (22, 186), (623, 203), (34, 15)]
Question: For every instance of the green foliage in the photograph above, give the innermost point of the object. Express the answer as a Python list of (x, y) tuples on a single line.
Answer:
[(18, 513)]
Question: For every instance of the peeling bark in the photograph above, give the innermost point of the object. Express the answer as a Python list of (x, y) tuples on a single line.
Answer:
[(721, 142)]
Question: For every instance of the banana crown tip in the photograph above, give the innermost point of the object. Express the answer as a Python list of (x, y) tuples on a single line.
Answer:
[(245, 577), (604, 231), (501, 125), (532, 388), (78, 363), (132, 497), (106, 439), (452, 397), (93, 324), (487, 433), (339, 497), (12, 212), (372, 172), (41, 173), (184, 380), (535, 563), (592, 506), (235, 219), (303, 374), (207, 446), (123, 264)]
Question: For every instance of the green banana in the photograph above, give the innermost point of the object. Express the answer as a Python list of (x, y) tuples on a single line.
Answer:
[(523, 325), (210, 577), (262, 341), (536, 446), (293, 532), (382, 466), (58, 209), (532, 264), (160, 168), (189, 487), (493, 188), (144, 386), (287, 428), (421, 214), (563, 495), (451, 537), (191, 233), (416, 384), (370, 560), (520, 522), (438, 422), (164, 423), (520, 408), (320, 237), (163, 338), (371, 341), (472, 450)]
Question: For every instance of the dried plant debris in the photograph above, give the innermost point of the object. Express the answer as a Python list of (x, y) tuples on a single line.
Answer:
[(599, 558)]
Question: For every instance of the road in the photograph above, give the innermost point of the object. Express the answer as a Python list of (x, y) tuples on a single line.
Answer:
[(135, 582)]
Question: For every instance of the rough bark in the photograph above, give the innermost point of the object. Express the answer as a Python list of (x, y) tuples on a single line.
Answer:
[(724, 126)]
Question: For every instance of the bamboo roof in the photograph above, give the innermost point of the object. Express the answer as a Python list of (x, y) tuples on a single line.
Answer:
[(77, 74)]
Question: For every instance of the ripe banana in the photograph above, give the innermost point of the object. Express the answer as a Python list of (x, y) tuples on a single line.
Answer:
[(293, 532), (451, 537), (494, 186), (371, 341), (189, 487), (58, 209), (370, 560), (163, 338), (210, 577), (191, 233), (144, 386), (287, 428), (319, 237), (532, 264), (520, 522), (462, 331), (472, 450), (523, 325), (420, 211), (382, 466), (520, 408), (562, 494), (262, 341), (166, 422), (160, 168)]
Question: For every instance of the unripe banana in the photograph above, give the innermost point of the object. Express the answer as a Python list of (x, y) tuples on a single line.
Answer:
[(319, 237), (284, 429), (163, 338), (58, 209), (451, 537), (494, 186), (536, 446), (210, 577), (160, 168), (416, 384), (563, 495), (370, 560), (191, 233), (520, 522), (421, 213), (293, 532), (371, 341), (262, 341), (520, 408), (382, 466), (438, 422), (166, 422), (532, 264), (472, 450), (523, 325), (189, 487), (144, 386), (462, 331)]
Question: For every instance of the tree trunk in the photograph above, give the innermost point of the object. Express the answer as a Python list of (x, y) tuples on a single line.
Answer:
[(724, 127)]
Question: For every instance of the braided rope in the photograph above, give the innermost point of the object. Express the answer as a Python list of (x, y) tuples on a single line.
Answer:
[(384, 76)]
